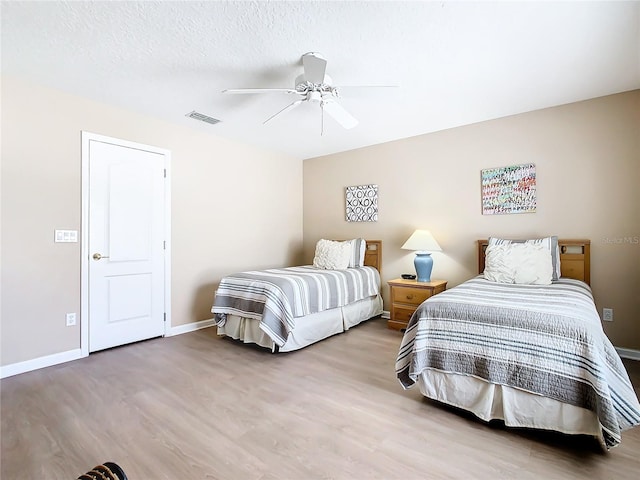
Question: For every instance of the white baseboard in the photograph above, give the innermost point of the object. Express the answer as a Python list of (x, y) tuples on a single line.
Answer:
[(386, 315), (628, 353), (62, 357), (191, 327), (40, 362)]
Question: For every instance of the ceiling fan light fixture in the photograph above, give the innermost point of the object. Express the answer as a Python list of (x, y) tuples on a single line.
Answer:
[(314, 96)]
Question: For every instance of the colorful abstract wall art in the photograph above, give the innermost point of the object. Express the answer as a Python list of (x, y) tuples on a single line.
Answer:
[(509, 189)]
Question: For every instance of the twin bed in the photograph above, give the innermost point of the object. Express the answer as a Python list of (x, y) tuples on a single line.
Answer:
[(290, 308), (528, 349), (532, 355)]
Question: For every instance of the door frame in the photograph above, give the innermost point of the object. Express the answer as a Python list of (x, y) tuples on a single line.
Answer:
[(87, 137)]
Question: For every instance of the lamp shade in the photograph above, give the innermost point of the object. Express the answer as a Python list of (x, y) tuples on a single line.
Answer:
[(423, 241)]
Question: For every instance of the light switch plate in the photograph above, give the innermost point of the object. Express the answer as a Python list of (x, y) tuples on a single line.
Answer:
[(66, 236)]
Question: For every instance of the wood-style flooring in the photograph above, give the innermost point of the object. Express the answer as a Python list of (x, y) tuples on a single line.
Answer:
[(197, 406)]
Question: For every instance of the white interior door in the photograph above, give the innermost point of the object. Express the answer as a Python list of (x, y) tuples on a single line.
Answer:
[(126, 243)]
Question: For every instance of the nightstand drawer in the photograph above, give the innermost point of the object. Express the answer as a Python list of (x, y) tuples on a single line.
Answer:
[(409, 295), (402, 314)]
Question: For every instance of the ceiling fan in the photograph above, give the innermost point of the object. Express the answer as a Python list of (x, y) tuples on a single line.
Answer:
[(313, 86)]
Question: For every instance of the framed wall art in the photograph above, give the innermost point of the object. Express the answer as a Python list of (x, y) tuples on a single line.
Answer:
[(509, 189), (362, 203)]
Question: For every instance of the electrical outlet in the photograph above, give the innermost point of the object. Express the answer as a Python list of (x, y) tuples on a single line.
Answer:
[(607, 314), (71, 319)]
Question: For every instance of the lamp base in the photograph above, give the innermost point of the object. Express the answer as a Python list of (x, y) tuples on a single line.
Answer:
[(424, 264)]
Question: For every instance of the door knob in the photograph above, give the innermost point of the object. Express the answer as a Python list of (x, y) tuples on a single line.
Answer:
[(97, 256)]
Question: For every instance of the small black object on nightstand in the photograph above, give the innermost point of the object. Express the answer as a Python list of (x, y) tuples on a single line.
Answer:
[(408, 276)]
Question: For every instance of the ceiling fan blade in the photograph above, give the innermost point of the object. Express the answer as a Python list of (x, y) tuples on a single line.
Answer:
[(366, 86), (349, 87), (315, 67), (339, 114), (260, 90), (291, 106)]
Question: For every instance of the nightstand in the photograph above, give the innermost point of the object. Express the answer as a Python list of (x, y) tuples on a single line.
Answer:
[(407, 295)]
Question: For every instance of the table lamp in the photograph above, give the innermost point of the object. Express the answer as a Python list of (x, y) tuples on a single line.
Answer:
[(423, 243)]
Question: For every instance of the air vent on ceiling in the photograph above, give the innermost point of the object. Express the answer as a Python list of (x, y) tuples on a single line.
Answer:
[(203, 118)]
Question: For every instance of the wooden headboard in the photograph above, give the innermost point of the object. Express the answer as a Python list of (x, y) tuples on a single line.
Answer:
[(575, 258), (373, 254)]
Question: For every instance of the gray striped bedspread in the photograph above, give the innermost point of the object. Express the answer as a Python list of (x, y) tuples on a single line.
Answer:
[(276, 297), (544, 339)]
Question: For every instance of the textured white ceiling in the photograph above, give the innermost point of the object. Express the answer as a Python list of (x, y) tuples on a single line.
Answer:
[(455, 63)]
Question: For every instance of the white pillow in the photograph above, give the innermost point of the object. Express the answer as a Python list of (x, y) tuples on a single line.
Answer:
[(522, 263), (498, 266), (332, 255), (550, 243), (358, 247), (534, 265)]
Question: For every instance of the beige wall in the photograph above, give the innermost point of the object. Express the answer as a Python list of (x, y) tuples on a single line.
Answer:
[(588, 166), (211, 235), (587, 158)]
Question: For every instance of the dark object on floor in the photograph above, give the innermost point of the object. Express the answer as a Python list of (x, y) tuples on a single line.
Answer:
[(106, 471)]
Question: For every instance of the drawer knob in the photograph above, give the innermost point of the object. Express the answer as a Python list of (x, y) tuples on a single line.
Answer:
[(410, 297)]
